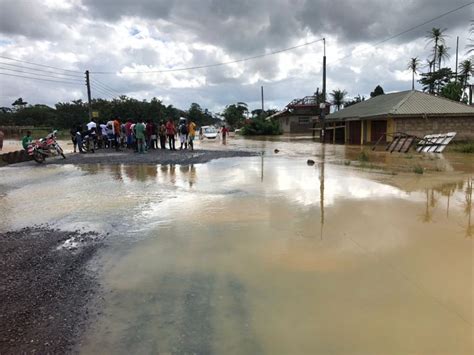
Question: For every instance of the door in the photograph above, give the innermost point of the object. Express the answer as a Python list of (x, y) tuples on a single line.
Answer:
[(379, 128)]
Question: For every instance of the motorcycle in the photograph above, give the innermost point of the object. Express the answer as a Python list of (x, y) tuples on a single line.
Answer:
[(45, 147)]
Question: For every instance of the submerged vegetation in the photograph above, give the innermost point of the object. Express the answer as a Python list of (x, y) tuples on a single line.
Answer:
[(466, 147)]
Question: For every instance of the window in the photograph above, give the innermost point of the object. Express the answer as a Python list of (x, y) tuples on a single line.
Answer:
[(303, 120)]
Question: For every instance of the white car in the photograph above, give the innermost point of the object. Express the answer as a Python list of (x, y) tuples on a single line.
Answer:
[(208, 132)]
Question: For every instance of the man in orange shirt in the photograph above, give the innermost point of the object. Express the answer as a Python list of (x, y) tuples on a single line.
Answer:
[(117, 133)]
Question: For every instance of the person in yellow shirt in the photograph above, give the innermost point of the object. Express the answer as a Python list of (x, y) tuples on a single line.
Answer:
[(191, 133)]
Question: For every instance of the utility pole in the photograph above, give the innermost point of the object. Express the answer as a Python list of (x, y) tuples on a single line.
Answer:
[(263, 109), (88, 84), (323, 104), (457, 52)]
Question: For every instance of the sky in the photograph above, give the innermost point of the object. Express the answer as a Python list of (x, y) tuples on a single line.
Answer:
[(122, 41)]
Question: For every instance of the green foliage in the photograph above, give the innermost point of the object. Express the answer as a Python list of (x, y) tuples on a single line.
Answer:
[(363, 157), (377, 91), (467, 147), (71, 114), (261, 127), (452, 91), (354, 101), (418, 169), (338, 98), (199, 116), (234, 114), (436, 80)]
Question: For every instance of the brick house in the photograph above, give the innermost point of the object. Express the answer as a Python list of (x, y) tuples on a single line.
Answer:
[(300, 115), (411, 112)]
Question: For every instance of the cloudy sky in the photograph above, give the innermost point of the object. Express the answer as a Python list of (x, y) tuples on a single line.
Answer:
[(122, 41)]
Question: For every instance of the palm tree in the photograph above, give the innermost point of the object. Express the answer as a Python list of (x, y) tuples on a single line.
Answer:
[(466, 69), (470, 46), (437, 37), (413, 65), (443, 54), (338, 97)]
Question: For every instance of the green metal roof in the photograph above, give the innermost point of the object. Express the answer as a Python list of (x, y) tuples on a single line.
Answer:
[(405, 103)]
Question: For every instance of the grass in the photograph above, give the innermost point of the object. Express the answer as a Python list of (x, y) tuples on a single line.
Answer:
[(418, 169), (467, 147), (363, 157)]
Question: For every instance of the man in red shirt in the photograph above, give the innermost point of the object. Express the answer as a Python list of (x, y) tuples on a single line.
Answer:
[(170, 132), (128, 132), (224, 132)]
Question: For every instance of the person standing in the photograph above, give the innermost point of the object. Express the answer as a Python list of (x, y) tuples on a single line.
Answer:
[(191, 133), (72, 132), (128, 133), (183, 134), (149, 133), (171, 132), (224, 132), (92, 129), (140, 134), (117, 131), (79, 139), (162, 133)]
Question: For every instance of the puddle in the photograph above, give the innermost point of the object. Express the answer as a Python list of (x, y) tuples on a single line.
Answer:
[(266, 254)]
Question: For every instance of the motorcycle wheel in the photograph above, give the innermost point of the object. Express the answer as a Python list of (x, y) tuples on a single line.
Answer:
[(38, 157), (60, 151)]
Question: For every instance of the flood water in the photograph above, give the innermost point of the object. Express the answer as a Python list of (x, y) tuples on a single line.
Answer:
[(267, 255)]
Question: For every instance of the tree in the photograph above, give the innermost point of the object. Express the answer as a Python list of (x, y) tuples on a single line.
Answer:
[(338, 98), (437, 79), (234, 115), (377, 91), (19, 103), (452, 91), (470, 46), (443, 54), (413, 65), (436, 37), (466, 69), (354, 101)]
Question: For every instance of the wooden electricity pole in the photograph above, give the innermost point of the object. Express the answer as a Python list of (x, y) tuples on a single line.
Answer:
[(88, 84)]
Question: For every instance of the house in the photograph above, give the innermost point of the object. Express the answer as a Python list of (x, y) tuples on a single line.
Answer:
[(300, 115), (412, 112)]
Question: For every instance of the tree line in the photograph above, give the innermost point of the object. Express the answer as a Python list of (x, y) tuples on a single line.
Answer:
[(71, 114)]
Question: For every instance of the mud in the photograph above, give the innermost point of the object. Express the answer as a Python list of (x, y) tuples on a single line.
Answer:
[(45, 289)]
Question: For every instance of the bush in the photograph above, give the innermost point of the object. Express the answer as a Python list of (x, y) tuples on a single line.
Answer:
[(418, 169), (363, 157), (261, 127)]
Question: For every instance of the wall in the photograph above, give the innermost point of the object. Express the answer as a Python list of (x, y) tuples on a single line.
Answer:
[(463, 126)]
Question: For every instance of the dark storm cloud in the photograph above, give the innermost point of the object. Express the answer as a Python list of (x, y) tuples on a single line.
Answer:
[(18, 17), (248, 27)]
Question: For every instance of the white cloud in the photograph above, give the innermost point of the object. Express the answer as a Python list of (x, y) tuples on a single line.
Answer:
[(120, 36)]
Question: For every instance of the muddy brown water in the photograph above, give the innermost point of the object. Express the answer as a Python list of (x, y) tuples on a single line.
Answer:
[(267, 254)]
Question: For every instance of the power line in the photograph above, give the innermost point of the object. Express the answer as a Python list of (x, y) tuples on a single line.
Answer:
[(95, 85), (44, 75), (40, 65), (105, 87), (103, 84), (42, 70), (29, 77), (105, 94), (103, 91), (214, 64), (412, 28)]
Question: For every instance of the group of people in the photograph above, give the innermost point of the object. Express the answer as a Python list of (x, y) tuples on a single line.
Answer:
[(133, 134)]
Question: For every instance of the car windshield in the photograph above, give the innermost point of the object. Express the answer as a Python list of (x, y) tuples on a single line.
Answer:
[(210, 130)]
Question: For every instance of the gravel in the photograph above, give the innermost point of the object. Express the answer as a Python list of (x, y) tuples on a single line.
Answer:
[(157, 156), (45, 289)]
